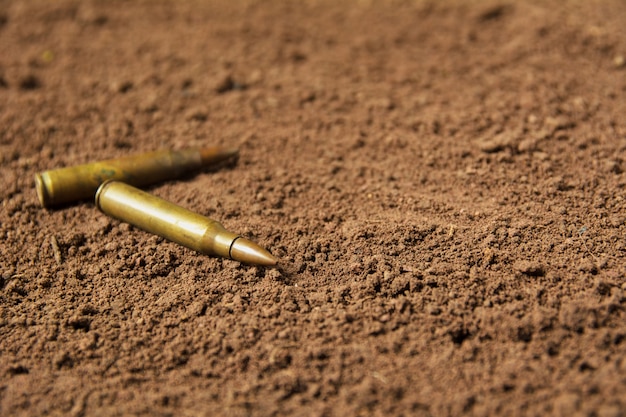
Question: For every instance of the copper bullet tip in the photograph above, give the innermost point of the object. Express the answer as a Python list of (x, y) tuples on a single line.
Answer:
[(215, 154), (248, 252)]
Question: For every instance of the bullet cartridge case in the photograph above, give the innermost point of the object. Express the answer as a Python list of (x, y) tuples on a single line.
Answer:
[(66, 185), (177, 224)]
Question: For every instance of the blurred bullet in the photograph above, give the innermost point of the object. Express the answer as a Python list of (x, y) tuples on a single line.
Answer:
[(66, 185), (155, 215)]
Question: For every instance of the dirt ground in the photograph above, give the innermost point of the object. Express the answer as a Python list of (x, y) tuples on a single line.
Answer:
[(443, 181)]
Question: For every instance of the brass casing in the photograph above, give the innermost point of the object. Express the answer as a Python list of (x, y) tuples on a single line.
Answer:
[(65, 185), (155, 215)]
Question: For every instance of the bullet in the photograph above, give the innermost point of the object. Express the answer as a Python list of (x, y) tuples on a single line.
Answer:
[(155, 215), (66, 185)]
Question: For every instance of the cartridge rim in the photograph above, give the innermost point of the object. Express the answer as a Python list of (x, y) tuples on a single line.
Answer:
[(100, 190), (43, 193)]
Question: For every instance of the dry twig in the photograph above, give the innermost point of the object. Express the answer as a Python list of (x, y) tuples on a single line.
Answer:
[(55, 249)]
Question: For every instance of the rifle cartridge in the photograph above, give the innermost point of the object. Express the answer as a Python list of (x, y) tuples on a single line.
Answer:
[(65, 185), (177, 224)]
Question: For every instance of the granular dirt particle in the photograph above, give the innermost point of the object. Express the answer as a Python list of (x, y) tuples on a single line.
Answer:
[(443, 182)]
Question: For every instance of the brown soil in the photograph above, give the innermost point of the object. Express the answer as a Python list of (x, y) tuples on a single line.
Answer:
[(444, 182)]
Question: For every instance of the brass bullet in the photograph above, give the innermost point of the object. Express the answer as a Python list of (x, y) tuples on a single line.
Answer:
[(155, 215), (65, 185)]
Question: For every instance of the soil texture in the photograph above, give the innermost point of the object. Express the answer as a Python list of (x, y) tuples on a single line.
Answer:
[(443, 181)]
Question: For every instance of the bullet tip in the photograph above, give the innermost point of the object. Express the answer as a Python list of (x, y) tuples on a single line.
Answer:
[(248, 252), (216, 154)]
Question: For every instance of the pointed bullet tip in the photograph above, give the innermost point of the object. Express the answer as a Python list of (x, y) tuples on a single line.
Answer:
[(216, 154), (248, 252)]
